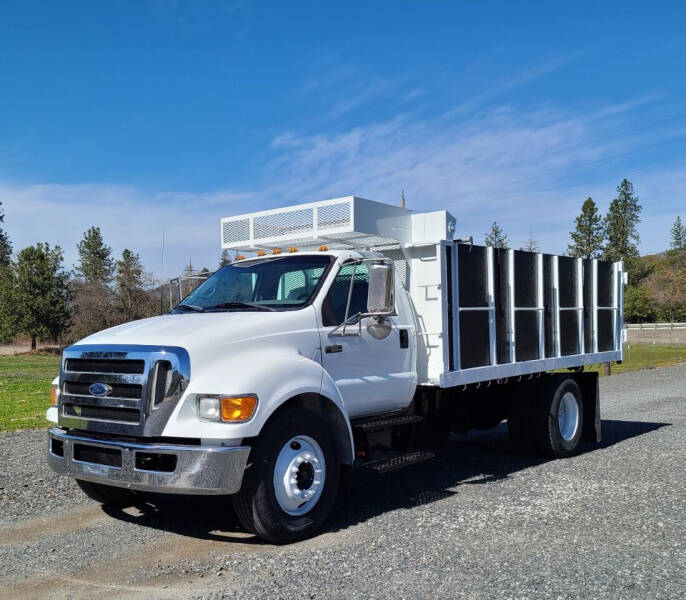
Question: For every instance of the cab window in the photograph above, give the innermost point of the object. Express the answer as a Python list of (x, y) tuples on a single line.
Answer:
[(333, 307)]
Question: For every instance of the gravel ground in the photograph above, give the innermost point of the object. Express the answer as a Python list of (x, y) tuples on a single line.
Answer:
[(478, 523)]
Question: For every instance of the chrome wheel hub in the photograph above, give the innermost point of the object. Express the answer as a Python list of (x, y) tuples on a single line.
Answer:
[(568, 416), (299, 475)]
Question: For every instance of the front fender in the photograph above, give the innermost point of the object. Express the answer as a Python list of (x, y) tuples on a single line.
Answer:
[(273, 375)]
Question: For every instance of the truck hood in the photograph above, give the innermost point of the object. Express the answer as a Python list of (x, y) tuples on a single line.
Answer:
[(205, 330)]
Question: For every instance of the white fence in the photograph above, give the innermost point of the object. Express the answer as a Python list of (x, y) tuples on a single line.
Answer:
[(656, 333)]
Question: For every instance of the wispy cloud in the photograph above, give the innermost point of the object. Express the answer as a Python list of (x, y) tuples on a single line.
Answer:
[(528, 169)]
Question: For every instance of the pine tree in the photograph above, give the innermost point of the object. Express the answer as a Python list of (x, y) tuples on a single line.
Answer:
[(587, 238), (531, 245), (95, 258), (224, 259), (678, 235), (621, 222), (5, 245), (41, 293), (130, 294), (496, 237)]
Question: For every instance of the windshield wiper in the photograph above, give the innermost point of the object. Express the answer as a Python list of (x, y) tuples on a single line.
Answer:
[(229, 305), (192, 307)]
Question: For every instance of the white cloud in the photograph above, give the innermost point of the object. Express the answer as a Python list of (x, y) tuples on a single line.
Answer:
[(529, 170)]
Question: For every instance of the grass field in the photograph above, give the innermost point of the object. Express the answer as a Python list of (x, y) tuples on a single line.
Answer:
[(25, 380), (25, 389)]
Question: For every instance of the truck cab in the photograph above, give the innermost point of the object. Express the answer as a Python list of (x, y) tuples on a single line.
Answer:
[(334, 343)]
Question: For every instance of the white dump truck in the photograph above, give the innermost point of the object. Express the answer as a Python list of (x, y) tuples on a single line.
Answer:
[(352, 334)]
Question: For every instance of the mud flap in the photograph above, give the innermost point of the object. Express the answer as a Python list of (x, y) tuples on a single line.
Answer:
[(588, 383)]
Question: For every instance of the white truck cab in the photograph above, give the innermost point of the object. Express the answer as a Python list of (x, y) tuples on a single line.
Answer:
[(355, 333)]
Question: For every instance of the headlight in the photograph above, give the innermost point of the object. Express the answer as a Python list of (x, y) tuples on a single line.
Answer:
[(208, 408), (230, 409)]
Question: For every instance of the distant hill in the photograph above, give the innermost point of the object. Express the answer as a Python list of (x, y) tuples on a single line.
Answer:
[(659, 291)]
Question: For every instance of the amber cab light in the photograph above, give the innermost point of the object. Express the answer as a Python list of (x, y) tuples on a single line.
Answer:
[(261, 253), (239, 257), (292, 249), (238, 408), (323, 248), (276, 251)]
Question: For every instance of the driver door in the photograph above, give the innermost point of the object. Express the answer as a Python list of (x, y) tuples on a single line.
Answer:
[(373, 375)]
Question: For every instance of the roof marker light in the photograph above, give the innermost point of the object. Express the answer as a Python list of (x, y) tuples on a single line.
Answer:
[(276, 251), (323, 248), (239, 257), (261, 253), (292, 249)]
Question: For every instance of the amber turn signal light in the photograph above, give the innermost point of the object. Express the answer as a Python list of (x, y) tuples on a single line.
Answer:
[(238, 408), (53, 395)]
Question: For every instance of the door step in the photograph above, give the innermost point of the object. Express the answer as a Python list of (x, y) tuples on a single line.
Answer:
[(398, 461), (384, 423)]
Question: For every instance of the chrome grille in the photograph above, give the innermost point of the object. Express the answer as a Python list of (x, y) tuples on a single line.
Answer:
[(139, 387)]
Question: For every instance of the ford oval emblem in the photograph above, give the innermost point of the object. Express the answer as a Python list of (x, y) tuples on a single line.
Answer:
[(100, 389)]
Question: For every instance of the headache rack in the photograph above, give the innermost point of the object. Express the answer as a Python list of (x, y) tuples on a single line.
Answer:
[(349, 222)]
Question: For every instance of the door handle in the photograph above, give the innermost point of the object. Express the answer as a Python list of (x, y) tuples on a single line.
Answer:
[(333, 349)]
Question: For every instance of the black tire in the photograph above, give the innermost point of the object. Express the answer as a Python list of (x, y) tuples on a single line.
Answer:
[(549, 439), (108, 494), (256, 505)]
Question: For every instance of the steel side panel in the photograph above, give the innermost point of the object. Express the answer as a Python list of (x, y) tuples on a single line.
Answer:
[(477, 374)]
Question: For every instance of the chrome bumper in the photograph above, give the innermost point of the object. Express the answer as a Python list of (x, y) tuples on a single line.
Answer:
[(196, 469)]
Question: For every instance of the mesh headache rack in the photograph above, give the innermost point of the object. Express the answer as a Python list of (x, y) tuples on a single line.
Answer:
[(348, 222)]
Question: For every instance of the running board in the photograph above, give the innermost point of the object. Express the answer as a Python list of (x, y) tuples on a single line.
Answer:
[(383, 423), (398, 461)]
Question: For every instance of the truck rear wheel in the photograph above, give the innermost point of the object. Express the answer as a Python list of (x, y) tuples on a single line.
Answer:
[(292, 482), (108, 494), (559, 418)]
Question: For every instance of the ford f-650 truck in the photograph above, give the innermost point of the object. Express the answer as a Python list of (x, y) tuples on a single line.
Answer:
[(353, 334)]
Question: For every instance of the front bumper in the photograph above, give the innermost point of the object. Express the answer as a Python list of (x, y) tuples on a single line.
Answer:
[(187, 469)]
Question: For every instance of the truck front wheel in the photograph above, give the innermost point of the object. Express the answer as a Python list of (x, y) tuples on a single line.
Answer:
[(291, 485)]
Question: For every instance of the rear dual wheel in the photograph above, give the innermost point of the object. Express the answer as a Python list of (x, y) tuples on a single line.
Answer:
[(549, 422)]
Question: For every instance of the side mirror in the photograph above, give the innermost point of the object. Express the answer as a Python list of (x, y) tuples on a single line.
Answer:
[(380, 298)]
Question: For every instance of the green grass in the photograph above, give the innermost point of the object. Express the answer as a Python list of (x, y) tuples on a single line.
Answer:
[(25, 380), (25, 389), (645, 356)]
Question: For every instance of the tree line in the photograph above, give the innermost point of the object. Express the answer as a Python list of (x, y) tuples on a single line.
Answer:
[(42, 301), (657, 284)]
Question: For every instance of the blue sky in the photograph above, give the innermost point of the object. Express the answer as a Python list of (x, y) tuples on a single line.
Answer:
[(140, 115)]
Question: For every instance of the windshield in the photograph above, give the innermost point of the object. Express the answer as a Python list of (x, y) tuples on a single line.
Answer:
[(275, 283)]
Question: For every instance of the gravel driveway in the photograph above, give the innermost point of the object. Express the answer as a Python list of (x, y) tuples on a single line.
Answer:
[(477, 523)]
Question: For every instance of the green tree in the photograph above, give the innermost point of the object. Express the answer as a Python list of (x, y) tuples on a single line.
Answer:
[(41, 293), (638, 305), (95, 258), (224, 259), (5, 245), (621, 223), (677, 235), (588, 235), (8, 314), (131, 297), (496, 237)]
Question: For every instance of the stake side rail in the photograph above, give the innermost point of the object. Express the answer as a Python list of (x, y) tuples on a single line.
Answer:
[(511, 313)]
